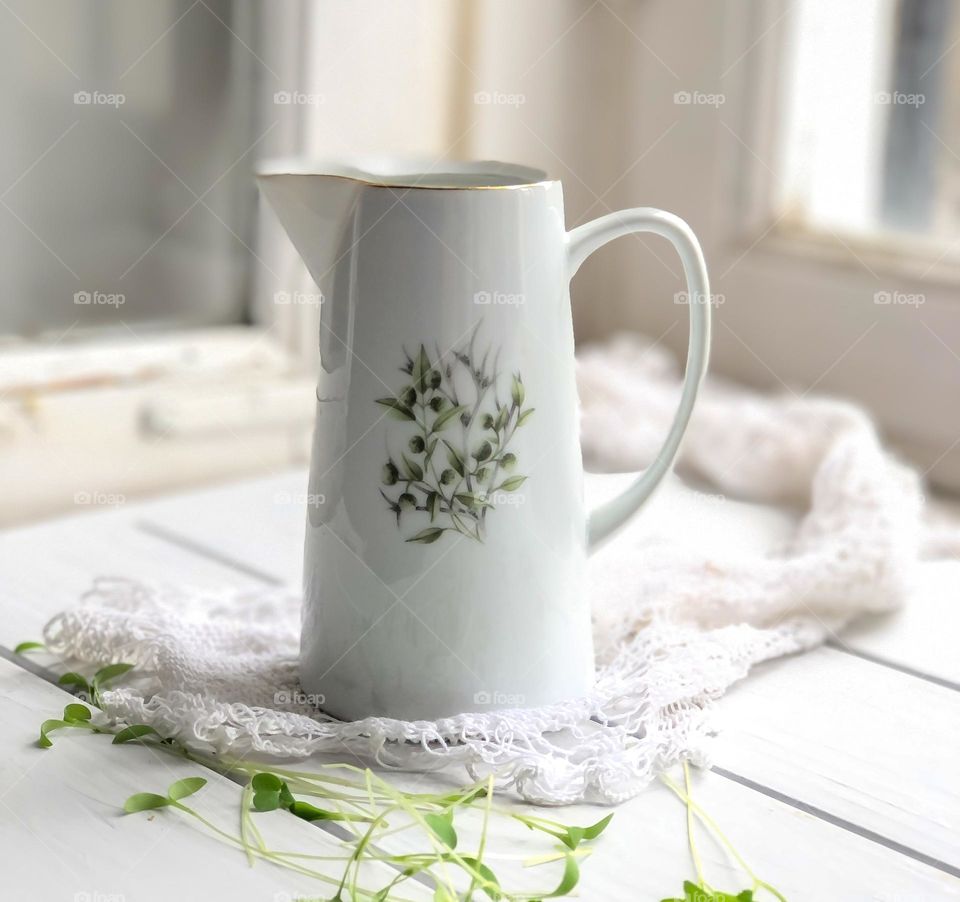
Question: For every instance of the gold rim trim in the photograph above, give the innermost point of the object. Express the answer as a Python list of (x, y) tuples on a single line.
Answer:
[(543, 183)]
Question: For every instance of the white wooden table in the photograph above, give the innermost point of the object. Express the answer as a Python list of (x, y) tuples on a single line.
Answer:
[(836, 776)]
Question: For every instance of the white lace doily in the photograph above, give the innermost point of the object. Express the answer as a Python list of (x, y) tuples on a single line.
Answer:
[(674, 625)]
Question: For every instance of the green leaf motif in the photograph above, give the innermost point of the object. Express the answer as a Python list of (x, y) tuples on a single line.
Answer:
[(427, 536), (516, 391), (454, 459), (28, 646), (443, 419), (512, 484), (413, 470), (468, 499), (397, 409), (421, 367), (463, 400)]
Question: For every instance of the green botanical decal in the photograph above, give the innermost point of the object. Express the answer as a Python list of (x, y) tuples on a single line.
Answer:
[(454, 463)]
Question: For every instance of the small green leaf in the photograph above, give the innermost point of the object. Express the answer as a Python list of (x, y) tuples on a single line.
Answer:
[(572, 838), (76, 714), (454, 459), (110, 672), (264, 781), (502, 418), (442, 827), (77, 680), (430, 449), (433, 505), (517, 392), (134, 731), (397, 410), (144, 801), (412, 468), (525, 416), (27, 646), (487, 875), (594, 830), (427, 536), (570, 878), (185, 787), (444, 418), (267, 791), (309, 812), (48, 726), (512, 484)]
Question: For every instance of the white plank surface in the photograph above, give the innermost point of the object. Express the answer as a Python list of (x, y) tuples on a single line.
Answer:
[(59, 814), (64, 834), (863, 744), (867, 744)]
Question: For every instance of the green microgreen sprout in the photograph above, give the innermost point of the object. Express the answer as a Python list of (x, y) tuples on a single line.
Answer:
[(701, 891), (366, 804), (24, 647)]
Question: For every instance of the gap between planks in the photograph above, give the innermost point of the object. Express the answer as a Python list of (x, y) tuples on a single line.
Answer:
[(198, 548)]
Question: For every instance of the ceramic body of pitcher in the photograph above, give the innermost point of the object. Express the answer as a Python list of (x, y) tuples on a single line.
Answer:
[(447, 538)]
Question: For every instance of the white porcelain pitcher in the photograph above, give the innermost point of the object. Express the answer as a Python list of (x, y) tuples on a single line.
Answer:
[(447, 536)]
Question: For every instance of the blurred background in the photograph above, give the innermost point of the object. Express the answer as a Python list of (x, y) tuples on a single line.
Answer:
[(157, 331)]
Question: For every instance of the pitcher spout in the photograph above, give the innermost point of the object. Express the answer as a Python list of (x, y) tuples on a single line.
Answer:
[(315, 208)]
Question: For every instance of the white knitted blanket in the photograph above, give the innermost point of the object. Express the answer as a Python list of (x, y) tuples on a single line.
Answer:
[(675, 624)]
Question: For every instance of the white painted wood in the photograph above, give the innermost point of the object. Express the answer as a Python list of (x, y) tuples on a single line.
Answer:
[(44, 569), (644, 856), (64, 833), (865, 743), (58, 818), (922, 635)]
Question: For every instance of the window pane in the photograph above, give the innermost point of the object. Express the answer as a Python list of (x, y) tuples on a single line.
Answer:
[(121, 123)]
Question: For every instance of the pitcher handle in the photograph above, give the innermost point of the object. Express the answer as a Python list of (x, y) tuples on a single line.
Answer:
[(583, 241)]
